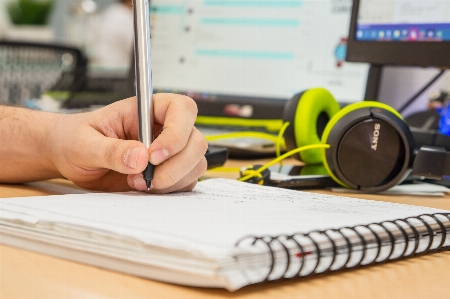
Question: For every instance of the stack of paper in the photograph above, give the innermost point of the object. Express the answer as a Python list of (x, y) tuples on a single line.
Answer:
[(191, 238)]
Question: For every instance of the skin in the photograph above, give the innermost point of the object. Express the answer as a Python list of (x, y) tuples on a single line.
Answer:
[(128, 3), (99, 150)]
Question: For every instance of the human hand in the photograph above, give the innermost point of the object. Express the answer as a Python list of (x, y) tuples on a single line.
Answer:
[(99, 150)]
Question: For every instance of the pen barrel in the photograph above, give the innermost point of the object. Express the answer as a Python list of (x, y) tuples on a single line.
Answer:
[(144, 88)]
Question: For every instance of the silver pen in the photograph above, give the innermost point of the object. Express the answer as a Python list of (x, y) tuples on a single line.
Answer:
[(144, 86)]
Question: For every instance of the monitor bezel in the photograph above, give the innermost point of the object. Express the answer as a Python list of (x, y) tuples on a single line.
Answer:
[(425, 54)]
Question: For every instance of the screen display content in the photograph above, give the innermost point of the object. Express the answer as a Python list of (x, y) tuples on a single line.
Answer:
[(253, 49), (400, 33), (403, 20)]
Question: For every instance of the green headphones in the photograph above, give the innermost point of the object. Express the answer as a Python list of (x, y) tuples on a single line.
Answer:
[(371, 147)]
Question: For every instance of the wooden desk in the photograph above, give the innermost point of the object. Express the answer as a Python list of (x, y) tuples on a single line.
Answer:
[(25, 274)]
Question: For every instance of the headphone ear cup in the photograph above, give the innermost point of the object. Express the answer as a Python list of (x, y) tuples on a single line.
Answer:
[(308, 112), (370, 147)]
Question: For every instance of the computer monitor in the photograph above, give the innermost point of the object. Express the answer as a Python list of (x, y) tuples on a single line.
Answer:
[(400, 32), (246, 58)]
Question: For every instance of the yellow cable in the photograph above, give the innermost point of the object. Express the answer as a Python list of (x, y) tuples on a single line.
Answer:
[(225, 169), (271, 125), (253, 173), (280, 139), (282, 157), (248, 134)]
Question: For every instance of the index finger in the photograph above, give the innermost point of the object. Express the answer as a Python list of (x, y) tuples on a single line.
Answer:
[(176, 114)]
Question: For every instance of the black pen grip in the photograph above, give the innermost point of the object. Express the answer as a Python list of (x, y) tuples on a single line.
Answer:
[(148, 174)]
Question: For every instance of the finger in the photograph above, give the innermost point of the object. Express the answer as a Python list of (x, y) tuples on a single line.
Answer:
[(123, 156), (179, 165), (188, 187), (177, 114), (187, 181), (110, 182), (185, 184), (119, 119)]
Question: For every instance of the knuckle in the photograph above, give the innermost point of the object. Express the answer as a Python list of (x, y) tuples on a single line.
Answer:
[(199, 140), (202, 167), (177, 140), (164, 180), (179, 136), (189, 104)]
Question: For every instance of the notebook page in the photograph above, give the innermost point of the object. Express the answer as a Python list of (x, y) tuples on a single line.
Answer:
[(213, 216)]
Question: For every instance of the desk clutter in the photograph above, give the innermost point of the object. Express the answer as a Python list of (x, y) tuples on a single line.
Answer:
[(212, 237), (35, 70), (365, 146), (30, 68)]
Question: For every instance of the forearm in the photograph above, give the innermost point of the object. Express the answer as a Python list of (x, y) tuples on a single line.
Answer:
[(24, 145)]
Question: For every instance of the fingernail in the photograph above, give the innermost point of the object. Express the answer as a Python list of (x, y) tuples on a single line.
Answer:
[(159, 156), (130, 157), (139, 184)]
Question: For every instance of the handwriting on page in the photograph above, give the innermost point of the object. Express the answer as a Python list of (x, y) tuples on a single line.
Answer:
[(232, 209), (217, 212), (227, 189)]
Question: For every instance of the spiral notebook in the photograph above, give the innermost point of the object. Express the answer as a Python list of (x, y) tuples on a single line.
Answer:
[(223, 234)]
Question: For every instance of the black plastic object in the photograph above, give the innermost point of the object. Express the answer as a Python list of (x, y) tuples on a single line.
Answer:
[(432, 162), (263, 179), (216, 156), (364, 159)]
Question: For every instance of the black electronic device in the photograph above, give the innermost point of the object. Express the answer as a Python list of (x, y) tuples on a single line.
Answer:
[(216, 156), (371, 148), (290, 176), (309, 176), (397, 32)]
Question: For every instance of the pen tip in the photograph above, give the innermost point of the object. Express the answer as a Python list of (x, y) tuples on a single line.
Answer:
[(148, 183)]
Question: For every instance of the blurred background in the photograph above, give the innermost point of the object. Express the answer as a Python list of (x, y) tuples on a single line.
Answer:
[(78, 23), (88, 52), (72, 22)]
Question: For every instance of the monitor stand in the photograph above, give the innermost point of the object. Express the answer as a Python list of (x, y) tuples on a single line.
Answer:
[(373, 82)]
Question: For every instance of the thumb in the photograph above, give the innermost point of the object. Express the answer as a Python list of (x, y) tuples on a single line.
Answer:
[(124, 156)]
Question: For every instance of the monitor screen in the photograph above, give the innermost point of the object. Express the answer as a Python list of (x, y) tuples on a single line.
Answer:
[(403, 21), (400, 32), (256, 52)]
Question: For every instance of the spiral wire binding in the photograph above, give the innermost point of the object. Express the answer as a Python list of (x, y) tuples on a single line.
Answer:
[(269, 241)]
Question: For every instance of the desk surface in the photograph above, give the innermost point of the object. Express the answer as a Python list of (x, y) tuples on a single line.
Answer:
[(25, 274)]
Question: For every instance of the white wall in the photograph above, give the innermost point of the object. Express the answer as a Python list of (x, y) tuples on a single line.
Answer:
[(58, 18), (4, 19), (399, 84), (60, 15)]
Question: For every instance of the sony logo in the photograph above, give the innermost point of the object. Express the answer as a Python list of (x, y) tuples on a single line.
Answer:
[(376, 133)]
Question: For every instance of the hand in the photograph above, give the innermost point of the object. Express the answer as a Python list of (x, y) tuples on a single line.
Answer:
[(98, 150)]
